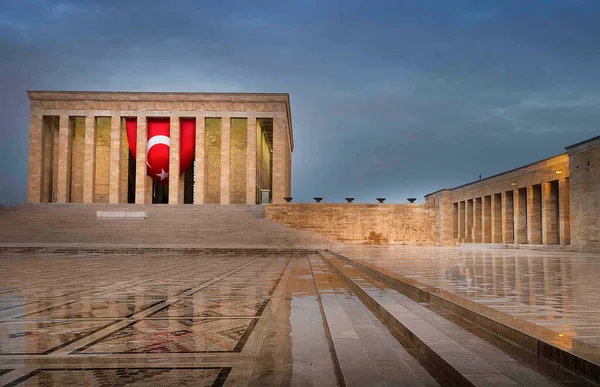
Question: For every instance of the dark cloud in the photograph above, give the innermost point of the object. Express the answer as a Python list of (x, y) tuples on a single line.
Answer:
[(394, 98)]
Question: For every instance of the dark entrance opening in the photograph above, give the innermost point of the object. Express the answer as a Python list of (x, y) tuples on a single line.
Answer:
[(160, 193)]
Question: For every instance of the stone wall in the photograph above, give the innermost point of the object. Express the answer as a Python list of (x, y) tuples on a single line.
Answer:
[(584, 165), (411, 224)]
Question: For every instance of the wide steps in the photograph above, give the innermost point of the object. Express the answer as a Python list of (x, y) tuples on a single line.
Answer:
[(206, 225), (463, 357)]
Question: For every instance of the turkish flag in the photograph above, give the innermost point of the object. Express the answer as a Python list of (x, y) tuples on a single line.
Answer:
[(159, 143)]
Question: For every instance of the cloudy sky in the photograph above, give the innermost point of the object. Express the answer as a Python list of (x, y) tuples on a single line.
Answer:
[(394, 98)]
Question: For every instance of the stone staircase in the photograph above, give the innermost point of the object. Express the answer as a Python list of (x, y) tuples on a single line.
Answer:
[(233, 226)]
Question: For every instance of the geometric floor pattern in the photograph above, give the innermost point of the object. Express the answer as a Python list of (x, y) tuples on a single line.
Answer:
[(187, 319), (62, 310)]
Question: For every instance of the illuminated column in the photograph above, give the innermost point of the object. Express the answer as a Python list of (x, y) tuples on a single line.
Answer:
[(279, 155), (550, 213), (89, 158), (534, 214), (63, 191), (564, 211), (175, 180), (461, 221), (469, 221), (225, 157), (114, 183), (34, 181), (520, 199), (496, 218), (141, 175), (251, 162), (199, 161), (508, 217), (486, 219), (477, 220)]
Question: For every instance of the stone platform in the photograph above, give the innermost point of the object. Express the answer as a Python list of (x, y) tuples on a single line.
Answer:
[(227, 317), (548, 302)]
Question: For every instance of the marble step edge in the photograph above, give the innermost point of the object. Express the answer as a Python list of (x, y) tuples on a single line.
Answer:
[(541, 341), (452, 367), (112, 248)]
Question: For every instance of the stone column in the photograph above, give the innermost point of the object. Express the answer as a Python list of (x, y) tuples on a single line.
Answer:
[(477, 220), (564, 211), (63, 189), (199, 161), (469, 220), (141, 174), (251, 162), (174, 174), (486, 219), (550, 213), (114, 184), (534, 214), (225, 157), (520, 217), (89, 159), (461, 221), (508, 217), (279, 155), (496, 218), (34, 174)]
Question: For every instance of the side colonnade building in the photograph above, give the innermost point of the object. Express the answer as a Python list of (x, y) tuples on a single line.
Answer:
[(79, 151), (551, 202)]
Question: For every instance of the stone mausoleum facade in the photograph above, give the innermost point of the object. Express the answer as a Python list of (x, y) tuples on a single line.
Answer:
[(80, 150)]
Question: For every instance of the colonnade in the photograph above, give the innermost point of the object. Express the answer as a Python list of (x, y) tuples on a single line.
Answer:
[(80, 156), (532, 214)]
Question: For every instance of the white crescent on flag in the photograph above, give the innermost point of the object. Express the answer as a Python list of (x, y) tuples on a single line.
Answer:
[(160, 139)]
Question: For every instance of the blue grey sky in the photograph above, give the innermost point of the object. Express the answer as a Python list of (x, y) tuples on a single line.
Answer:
[(389, 98)]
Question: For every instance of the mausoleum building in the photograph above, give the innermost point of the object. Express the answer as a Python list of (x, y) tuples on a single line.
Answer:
[(121, 147)]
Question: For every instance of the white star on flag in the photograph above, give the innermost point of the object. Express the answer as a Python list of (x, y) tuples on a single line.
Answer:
[(163, 175)]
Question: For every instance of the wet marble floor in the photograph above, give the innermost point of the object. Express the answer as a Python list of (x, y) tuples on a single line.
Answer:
[(559, 291), (183, 319)]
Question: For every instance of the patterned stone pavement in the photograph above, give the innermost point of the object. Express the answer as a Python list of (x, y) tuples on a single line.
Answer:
[(182, 318), (559, 291)]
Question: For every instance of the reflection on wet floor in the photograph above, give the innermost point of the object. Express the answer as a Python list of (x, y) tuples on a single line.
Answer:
[(185, 319), (558, 291)]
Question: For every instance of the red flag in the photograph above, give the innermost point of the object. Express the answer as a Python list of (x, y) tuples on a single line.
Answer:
[(158, 145)]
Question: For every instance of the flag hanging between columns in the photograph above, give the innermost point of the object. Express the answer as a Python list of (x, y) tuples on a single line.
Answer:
[(158, 145)]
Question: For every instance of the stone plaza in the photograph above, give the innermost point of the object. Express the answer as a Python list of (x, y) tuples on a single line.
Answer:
[(492, 283)]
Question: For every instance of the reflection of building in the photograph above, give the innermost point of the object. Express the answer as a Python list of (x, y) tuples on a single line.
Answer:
[(79, 149), (551, 202)]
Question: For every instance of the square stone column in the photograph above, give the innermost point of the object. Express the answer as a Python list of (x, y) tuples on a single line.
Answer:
[(486, 219), (520, 216), (461, 221), (34, 174), (496, 218), (114, 192), (550, 213), (251, 162), (469, 206), (89, 159), (564, 211), (175, 181), (64, 153), (508, 217), (477, 220), (141, 174), (199, 160), (280, 147), (225, 157), (534, 214)]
